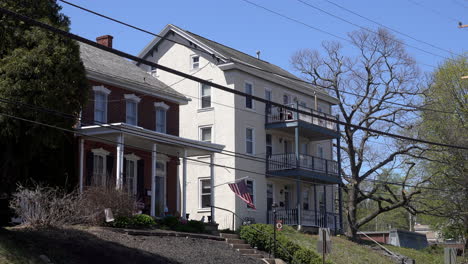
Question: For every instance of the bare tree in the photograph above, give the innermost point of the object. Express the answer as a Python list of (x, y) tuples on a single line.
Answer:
[(386, 78)]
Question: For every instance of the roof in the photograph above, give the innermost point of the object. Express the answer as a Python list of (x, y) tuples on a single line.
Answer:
[(101, 62), (230, 55)]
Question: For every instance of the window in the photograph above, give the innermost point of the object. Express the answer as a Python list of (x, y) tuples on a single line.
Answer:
[(131, 176), (154, 71), (205, 134), (195, 62), (286, 99), (248, 99), (251, 190), (269, 196), (269, 146), (205, 96), (249, 141), (205, 194), (131, 109), (100, 103), (305, 200), (161, 120), (99, 167), (268, 97)]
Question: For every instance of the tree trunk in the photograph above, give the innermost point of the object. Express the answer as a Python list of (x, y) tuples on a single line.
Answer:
[(352, 213)]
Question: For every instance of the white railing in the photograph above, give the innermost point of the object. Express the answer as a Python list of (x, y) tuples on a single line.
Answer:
[(308, 218), (286, 161), (277, 114)]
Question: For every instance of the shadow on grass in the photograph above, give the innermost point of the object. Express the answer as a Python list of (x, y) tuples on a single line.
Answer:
[(73, 246)]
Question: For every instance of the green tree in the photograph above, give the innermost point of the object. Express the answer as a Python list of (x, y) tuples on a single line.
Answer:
[(40, 68), (447, 202)]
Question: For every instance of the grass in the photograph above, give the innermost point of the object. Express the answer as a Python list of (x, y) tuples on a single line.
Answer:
[(343, 250), (420, 256), (12, 252)]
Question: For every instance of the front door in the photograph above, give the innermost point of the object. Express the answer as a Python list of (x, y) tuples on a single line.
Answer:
[(160, 188)]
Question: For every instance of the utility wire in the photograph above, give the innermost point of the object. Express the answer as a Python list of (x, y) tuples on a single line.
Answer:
[(212, 84), (434, 11), (248, 65)]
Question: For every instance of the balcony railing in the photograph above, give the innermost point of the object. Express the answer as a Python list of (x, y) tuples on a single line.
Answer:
[(287, 161), (275, 114), (308, 218)]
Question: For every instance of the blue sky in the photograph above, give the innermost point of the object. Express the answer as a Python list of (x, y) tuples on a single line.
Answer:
[(248, 28)]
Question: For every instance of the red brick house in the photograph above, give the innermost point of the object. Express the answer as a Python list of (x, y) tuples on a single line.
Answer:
[(128, 133)]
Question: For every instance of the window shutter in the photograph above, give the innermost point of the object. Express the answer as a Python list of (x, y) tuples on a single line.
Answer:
[(141, 179), (110, 169), (89, 167)]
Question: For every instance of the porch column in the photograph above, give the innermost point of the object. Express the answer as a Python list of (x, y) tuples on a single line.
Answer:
[(184, 184), (298, 181), (212, 184), (119, 167), (315, 203), (81, 153), (153, 180)]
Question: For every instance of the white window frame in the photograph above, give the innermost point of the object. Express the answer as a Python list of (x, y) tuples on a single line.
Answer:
[(192, 63), (253, 140), (134, 99), (104, 91), (200, 194), (289, 98), (273, 189), (101, 153), (200, 133), (254, 193), (270, 92), (252, 94), (165, 107), (133, 158), (201, 98)]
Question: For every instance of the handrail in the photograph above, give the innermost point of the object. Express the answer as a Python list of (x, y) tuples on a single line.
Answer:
[(282, 161), (386, 249), (260, 231)]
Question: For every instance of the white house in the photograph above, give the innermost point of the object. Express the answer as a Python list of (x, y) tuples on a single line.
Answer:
[(288, 159)]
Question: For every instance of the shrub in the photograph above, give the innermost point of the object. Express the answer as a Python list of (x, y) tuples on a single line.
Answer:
[(170, 221), (142, 221), (191, 226), (122, 222), (307, 256)]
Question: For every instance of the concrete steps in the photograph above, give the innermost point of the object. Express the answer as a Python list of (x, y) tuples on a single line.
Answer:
[(240, 245)]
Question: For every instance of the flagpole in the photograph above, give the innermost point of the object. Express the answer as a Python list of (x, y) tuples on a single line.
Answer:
[(240, 179)]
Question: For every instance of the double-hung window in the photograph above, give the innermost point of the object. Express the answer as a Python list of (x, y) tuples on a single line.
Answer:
[(161, 116), (248, 99), (131, 109), (206, 134), (194, 62), (268, 98), (269, 145), (249, 141), (131, 174), (205, 96), (99, 167), (251, 190), (205, 194), (100, 104)]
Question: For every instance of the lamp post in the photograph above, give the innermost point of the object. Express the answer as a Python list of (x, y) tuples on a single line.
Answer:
[(274, 206)]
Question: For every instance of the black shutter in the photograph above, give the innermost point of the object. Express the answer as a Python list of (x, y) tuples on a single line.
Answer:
[(89, 167), (110, 170), (140, 179), (124, 172)]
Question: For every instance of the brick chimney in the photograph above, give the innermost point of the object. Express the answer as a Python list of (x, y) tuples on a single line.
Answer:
[(105, 40)]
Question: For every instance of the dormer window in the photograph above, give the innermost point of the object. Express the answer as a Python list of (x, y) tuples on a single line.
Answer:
[(100, 104), (131, 109), (194, 62), (161, 116)]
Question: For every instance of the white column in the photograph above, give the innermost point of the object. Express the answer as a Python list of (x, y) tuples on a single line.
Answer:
[(81, 153), (119, 166), (153, 180), (212, 184), (184, 184), (178, 189)]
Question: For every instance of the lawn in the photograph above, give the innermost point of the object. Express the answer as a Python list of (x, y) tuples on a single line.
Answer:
[(14, 253)]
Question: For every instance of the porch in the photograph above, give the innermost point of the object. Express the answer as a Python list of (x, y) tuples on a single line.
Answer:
[(309, 218)]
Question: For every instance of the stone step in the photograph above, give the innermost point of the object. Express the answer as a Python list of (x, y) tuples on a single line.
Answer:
[(244, 251), (232, 236), (240, 246), (269, 260), (256, 255), (235, 241)]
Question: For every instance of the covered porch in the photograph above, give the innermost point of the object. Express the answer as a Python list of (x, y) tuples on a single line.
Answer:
[(146, 164)]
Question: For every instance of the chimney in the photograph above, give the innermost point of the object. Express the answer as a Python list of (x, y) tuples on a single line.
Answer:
[(105, 40), (258, 54)]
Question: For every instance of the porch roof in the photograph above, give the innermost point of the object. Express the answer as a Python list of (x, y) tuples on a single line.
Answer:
[(142, 138)]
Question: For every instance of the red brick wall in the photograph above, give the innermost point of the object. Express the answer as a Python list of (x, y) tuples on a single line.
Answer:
[(146, 109)]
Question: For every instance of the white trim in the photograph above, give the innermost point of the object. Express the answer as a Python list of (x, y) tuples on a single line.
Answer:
[(132, 156), (200, 133), (100, 151), (200, 208), (135, 173), (161, 105), (136, 111), (191, 62), (101, 89), (132, 97), (252, 94), (254, 192), (253, 140), (200, 95)]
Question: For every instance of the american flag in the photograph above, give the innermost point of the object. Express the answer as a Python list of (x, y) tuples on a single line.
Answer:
[(240, 189)]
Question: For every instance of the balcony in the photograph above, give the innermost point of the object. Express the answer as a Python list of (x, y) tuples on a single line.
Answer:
[(311, 127), (310, 168), (308, 218)]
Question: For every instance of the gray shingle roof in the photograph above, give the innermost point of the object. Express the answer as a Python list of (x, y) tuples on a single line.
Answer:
[(118, 68)]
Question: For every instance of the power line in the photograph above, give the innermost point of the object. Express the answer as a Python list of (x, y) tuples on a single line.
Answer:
[(248, 65), (389, 28), (434, 11), (212, 84)]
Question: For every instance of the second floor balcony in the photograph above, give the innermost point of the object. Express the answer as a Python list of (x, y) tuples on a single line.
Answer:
[(307, 167), (314, 127)]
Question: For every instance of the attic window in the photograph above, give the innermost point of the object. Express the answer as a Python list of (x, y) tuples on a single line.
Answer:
[(195, 62)]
